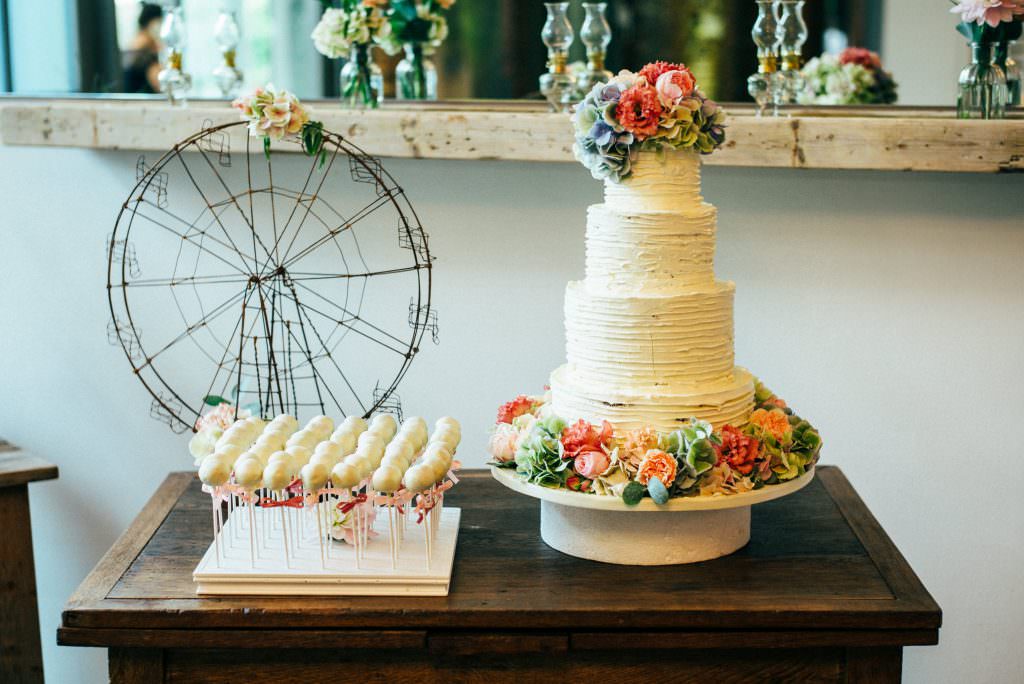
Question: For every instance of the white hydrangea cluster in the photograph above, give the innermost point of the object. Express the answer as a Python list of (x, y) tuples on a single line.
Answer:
[(340, 29)]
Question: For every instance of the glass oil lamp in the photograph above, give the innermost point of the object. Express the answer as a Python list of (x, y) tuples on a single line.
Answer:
[(791, 32), (557, 34), (763, 84), (595, 34), (174, 82), (226, 34)]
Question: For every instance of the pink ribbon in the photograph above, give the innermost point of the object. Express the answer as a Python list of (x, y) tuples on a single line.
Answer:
[(346, 506), (292, 502)]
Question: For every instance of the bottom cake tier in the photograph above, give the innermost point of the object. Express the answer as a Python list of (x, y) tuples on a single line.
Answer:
[(663, 410)]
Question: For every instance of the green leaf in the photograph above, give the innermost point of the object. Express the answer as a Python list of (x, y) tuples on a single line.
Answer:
[(657, 490), (266, 148), (633, 492), (214, 400)]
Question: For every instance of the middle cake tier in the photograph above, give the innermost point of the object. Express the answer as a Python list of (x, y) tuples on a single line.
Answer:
[(650, 340)]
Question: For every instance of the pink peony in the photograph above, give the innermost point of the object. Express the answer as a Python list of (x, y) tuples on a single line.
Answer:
[(673, 86), (582, 436), (221, 416), (653, 71), (591, 463), (991, 12), (515, 408), (503, 443)]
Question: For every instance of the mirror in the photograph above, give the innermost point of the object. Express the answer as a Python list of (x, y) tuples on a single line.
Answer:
[(493, 50)]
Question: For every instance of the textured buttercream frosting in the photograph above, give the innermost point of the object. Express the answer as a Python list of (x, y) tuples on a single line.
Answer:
[(649, 331)]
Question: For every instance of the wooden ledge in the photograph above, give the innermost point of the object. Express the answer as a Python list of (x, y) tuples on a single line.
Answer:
[(19, 468), (891, 139)]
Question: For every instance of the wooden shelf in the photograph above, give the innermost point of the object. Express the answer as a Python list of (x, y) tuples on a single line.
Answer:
[(891, 139)]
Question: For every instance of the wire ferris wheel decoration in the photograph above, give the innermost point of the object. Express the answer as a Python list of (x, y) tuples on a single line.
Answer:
[(225, 283)]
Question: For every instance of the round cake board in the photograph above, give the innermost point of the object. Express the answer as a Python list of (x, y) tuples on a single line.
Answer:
[(683, 530)]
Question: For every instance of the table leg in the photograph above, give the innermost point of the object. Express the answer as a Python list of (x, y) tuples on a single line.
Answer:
[(883, 664), (21, 660), (135, 665)]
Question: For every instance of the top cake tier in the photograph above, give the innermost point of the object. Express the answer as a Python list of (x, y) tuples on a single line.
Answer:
[(667, 182)]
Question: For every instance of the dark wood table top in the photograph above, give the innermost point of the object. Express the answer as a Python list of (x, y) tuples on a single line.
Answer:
[(18, 467), (819, 569)]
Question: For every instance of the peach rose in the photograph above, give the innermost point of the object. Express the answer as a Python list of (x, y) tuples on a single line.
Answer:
[(591, 462), (657, 464), (672, 86), (503, 443), (774, 422)]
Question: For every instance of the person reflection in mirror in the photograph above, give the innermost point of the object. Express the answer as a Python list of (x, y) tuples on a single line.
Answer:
[(141, 61)]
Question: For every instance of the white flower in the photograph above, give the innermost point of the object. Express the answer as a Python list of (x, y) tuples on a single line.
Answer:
[(203, 443)]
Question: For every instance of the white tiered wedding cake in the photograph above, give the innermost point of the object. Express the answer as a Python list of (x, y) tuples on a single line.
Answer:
[(649, 331)]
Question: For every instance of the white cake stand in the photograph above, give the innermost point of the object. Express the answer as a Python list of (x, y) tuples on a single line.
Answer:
[(683, 530)]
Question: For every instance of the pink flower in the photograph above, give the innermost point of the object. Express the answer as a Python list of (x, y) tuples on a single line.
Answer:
[(273, 114), (515, 408), (862, 56), (672, 86), (653, 71), (591, 463), (503, 443), (221, 416), (582, 436), (344, 527), (638, 111), (991, 12)]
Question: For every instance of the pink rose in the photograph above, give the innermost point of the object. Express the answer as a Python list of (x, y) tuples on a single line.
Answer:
[(672, 86), (591, 463), (503, 443)]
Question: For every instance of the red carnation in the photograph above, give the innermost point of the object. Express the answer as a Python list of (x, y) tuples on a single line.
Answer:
[(738, 450), (583, 436), (654, 70), (515, 408), (639, 110), (858, 55)]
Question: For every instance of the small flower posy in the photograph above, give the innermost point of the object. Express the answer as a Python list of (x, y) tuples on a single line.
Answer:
[(278, 115), (855, 76), (775, 446), (356, 22), (658, 108)]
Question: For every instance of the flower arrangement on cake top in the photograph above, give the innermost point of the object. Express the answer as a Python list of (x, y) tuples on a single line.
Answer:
[(855, 76), (657, 108), (775, 446)]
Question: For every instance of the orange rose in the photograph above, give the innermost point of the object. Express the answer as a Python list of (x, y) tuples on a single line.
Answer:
[(774, 422), (657, 464)]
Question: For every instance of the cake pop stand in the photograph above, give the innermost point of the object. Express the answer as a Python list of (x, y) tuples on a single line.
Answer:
[(682, 530)]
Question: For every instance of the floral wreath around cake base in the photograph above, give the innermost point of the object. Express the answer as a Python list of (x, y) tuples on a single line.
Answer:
[(775, 446)]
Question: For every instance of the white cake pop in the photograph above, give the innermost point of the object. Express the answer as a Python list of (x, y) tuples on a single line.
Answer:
[(385, 425), (248, 473), (438, 465), (321, 425), (229, 451), (419, 477), (371, 440), (286, 420), (449, 421), (214, 472), (396, 460), (401, 447), (299, 454), (314, 477), (256, 423), (280, 457), (418, 427), (345, 439), (276, 476), (437, 448), (446, 436), (387, 479), (362, 465), (355, 424), (306, 438), (326, 460), (332, 449), (345, 476)]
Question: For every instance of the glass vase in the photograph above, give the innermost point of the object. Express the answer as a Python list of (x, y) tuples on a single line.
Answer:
[(1011, 70), (362, 81), (415, 75), (982, 86)]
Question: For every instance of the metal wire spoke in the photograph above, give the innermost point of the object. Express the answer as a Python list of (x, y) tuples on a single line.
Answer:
[(205, 320), (352, 316), (190, 239), (311, 309), (309, 204), (220, 279), (206, 201), (301, 275), (331, 234)]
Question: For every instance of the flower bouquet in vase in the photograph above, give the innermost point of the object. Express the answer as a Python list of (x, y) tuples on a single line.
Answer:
[(853, 77), (987, 25), (417, 27), (350, 31)]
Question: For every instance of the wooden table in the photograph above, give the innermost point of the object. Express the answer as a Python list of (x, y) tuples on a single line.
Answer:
[(819, 594), (21, 659)]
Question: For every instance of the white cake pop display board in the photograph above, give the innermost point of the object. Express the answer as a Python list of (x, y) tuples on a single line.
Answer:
[(682, 530), (357, 510)]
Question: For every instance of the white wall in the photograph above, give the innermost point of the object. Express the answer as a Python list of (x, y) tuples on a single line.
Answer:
[(889, 308)]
